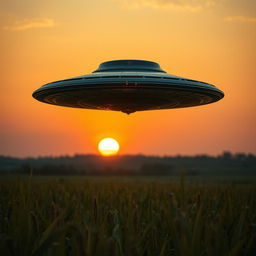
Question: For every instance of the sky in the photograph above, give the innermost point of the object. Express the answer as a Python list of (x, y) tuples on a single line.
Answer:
[(44, 41)]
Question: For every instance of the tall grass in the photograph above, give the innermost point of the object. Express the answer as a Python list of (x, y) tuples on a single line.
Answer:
[(118, 217)]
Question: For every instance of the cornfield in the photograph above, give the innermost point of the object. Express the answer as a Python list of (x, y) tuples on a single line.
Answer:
[(126, 217)]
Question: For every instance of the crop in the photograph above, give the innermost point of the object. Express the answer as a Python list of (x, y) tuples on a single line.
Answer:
[(126, 217)]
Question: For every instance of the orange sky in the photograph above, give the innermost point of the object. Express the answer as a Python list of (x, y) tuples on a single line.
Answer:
[(43, 41)]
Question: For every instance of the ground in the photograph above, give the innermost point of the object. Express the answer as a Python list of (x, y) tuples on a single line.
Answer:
[(127, 216)]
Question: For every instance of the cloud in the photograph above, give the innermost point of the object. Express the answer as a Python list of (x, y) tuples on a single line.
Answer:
[(31, 23), (240, 19), (178, 5)]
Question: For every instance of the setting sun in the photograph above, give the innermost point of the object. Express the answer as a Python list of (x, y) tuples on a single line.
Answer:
[(108, 147)]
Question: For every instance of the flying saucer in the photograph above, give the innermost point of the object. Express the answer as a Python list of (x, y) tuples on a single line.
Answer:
[(128, 86)]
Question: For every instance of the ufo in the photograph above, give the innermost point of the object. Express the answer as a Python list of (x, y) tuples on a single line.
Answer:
[(128, 86)]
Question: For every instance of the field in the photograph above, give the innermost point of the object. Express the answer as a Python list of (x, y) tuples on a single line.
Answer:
[(126, 216)]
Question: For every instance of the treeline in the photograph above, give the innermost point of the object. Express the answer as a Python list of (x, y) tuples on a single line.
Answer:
[(224, 164)]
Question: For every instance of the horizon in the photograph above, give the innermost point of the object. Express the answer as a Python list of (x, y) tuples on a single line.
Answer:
[(131, 155)]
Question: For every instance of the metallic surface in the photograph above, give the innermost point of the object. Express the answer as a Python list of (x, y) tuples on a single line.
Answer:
[(128, 86)]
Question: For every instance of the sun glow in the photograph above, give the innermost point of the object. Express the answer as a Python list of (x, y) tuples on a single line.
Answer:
[(108, 147)]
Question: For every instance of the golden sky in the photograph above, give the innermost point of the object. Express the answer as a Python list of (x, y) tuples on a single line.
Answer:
[(43, 41)]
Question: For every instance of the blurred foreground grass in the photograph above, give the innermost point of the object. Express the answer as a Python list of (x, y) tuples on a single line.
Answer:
[(126, 216)]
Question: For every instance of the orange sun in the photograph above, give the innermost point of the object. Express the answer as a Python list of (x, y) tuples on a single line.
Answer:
[(108, 147)]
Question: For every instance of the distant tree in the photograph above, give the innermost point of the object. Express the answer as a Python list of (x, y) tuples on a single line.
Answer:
[(156, 168), (226, 155)]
